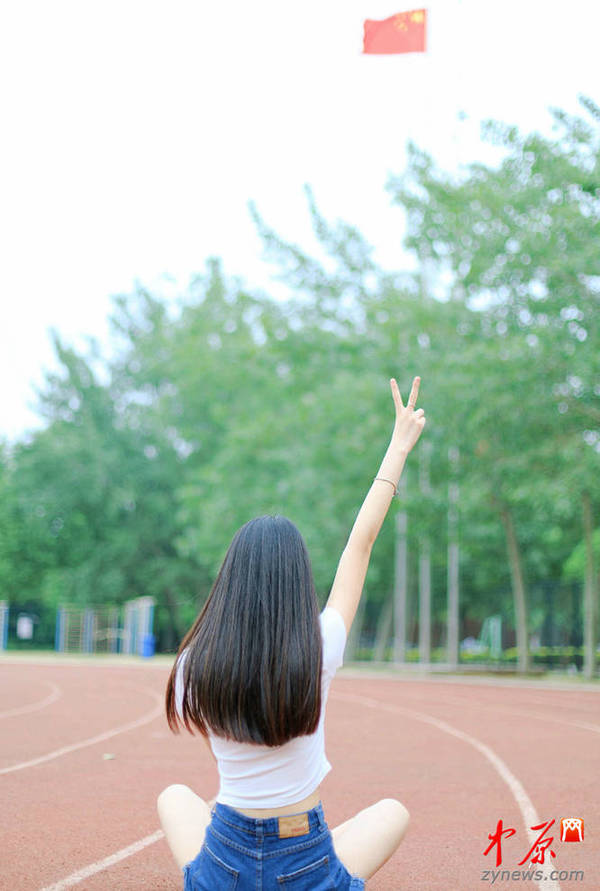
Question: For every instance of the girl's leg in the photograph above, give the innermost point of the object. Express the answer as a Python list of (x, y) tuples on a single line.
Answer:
[(366, 841), (184, 817)]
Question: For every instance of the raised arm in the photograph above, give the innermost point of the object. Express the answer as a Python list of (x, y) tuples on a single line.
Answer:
[(354, 562)]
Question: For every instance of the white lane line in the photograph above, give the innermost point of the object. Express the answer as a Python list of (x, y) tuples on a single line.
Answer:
[(457, 700), (123, 728), (42, 703), (528, 811), (93, 868), (595, 728)]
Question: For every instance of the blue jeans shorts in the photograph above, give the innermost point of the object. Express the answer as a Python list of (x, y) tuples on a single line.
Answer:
[(241, 853)]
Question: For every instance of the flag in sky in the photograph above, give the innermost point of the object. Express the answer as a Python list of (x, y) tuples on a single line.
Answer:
[(401, 33)]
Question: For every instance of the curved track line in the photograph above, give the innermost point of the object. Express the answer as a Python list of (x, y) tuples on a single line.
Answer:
[(145, 719), (528, 811), (582, 725), (23, 710), (595, 728), (93, 868)]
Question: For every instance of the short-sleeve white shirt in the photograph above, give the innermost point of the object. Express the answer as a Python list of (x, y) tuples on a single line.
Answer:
[(258, 776)]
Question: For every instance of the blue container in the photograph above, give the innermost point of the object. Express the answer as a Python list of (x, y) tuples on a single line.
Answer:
[(148, 646)]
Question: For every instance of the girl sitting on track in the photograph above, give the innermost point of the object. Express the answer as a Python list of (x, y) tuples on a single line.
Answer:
[(252, 675)]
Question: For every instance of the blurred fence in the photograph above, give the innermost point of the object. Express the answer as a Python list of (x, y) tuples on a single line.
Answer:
[(73, 628)]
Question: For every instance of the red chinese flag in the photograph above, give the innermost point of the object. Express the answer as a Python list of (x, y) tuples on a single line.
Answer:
[(401, 33)]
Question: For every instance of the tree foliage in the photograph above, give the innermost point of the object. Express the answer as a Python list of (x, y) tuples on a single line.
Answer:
[(236, 404)]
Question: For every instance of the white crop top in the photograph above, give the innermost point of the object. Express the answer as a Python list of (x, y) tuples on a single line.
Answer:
[(257, 776)]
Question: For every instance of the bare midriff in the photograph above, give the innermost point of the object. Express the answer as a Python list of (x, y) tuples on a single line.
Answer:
[(298, 807)]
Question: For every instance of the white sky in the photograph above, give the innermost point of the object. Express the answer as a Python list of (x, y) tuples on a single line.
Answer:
[(135, 133)]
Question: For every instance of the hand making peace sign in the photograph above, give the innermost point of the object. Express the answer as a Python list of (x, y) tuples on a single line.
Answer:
[(409, 423)]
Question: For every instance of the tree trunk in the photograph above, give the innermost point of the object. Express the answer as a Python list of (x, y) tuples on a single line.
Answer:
[(452, 621), (384, 630), (400, 579), (518, 587), (424, 601), (424, 563), (589, 593)]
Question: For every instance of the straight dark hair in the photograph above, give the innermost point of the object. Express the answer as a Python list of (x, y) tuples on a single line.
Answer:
[(252, 668)]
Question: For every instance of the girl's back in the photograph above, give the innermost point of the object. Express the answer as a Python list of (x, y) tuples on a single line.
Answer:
[(252, 676)]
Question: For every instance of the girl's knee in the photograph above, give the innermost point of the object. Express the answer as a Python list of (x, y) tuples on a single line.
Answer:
[(174, 791), (395, 814)]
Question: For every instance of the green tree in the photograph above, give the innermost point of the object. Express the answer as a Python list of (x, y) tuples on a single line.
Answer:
[(520, 238), (96, 502)]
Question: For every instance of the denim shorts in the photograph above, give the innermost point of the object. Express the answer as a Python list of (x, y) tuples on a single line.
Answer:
[(241, 853)]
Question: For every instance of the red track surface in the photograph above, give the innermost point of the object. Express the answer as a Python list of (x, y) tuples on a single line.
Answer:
[(441, 746)]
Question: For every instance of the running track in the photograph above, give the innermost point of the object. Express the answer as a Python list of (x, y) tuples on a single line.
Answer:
[(461, 754)]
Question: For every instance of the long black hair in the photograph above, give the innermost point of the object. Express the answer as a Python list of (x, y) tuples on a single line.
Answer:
[(252, 669)]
